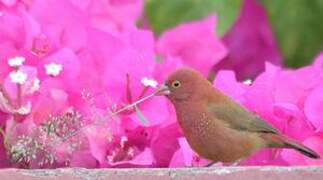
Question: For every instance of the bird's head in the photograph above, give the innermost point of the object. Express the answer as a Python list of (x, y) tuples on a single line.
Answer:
[(182, 85)]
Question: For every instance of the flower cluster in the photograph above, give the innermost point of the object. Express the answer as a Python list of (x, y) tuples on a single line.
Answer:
[(67, 66), (290, 100)]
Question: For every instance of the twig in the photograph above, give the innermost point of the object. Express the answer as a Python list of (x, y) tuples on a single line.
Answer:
[(110, 115)]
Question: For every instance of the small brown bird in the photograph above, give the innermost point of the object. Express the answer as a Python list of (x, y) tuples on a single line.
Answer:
[(215, 126)]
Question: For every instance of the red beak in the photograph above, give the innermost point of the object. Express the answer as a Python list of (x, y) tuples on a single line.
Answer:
[(162, 91)]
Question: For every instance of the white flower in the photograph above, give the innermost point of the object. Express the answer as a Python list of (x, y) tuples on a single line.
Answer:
[(35, 86), (53, 69), (149, 82), (16, 61), (18, 77), (131, 152), (247, 82), (23, 110), (123, 140)]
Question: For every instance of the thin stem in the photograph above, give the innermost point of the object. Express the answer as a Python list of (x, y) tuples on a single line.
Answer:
[(19, 95), (5, 94), (143, 92), (133, 104), (110, 115)]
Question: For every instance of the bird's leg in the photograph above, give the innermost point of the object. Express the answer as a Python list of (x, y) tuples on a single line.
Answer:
[(237, 162), (210, 164)]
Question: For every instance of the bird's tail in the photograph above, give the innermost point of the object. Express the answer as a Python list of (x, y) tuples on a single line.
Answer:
[(283, 142)]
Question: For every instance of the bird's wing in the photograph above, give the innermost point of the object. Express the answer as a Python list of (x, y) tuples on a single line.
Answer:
[(239, 118)]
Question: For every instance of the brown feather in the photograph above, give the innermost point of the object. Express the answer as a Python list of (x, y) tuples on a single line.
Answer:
[(215, 126)]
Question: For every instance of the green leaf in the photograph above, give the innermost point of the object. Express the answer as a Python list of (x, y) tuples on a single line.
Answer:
[(163, 14), (141, 116), (298, 27)]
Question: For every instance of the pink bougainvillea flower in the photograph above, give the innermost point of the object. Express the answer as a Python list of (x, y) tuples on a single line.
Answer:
[(62, 65), (287, 99), (11, 27), (8, 3), (195, 43), (314, 142), (83, 159), (227, 83), (168, 64), (68, 65), (313, 107), (250, 43), (111, 15), (164, 144), (98, 139), (140, 64), (186, 157)]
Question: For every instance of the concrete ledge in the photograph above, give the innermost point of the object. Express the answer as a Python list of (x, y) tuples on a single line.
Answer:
[(218, 173)]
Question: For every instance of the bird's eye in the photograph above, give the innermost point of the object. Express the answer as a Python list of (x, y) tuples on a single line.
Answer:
[(176, 84)]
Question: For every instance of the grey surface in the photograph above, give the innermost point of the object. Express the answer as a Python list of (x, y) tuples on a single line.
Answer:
[(223, 173)]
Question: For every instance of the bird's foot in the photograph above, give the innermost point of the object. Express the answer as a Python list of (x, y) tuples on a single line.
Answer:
[(236, 163), (210, 164)]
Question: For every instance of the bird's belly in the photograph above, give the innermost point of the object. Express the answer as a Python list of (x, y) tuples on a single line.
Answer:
[(223, 144)]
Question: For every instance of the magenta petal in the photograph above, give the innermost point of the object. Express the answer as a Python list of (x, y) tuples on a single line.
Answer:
[(293, 157), (51, 100), (287, 110), (318, 61), (116, 74), (164, 144), (118, 15), (167, 65), (226, 82), (9, 3), (316, 143), (98, 139), (313, 107), (250, 42), (144, 158), (195, 43), (260, 99), (4, 160), (11, 28), (187, 151), (154, 115), (70, 64), (177, 160), (68, 29), (83, 159), (265, 157), (32, 29)]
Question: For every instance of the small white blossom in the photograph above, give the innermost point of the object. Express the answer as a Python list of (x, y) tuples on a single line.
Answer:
[(16, 61), (35, 86), (111, 156), (149, 82), (131, 152), (123, 140), (53, 69), (110, 139), (23, 110), (18, 77), (247, 82)]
